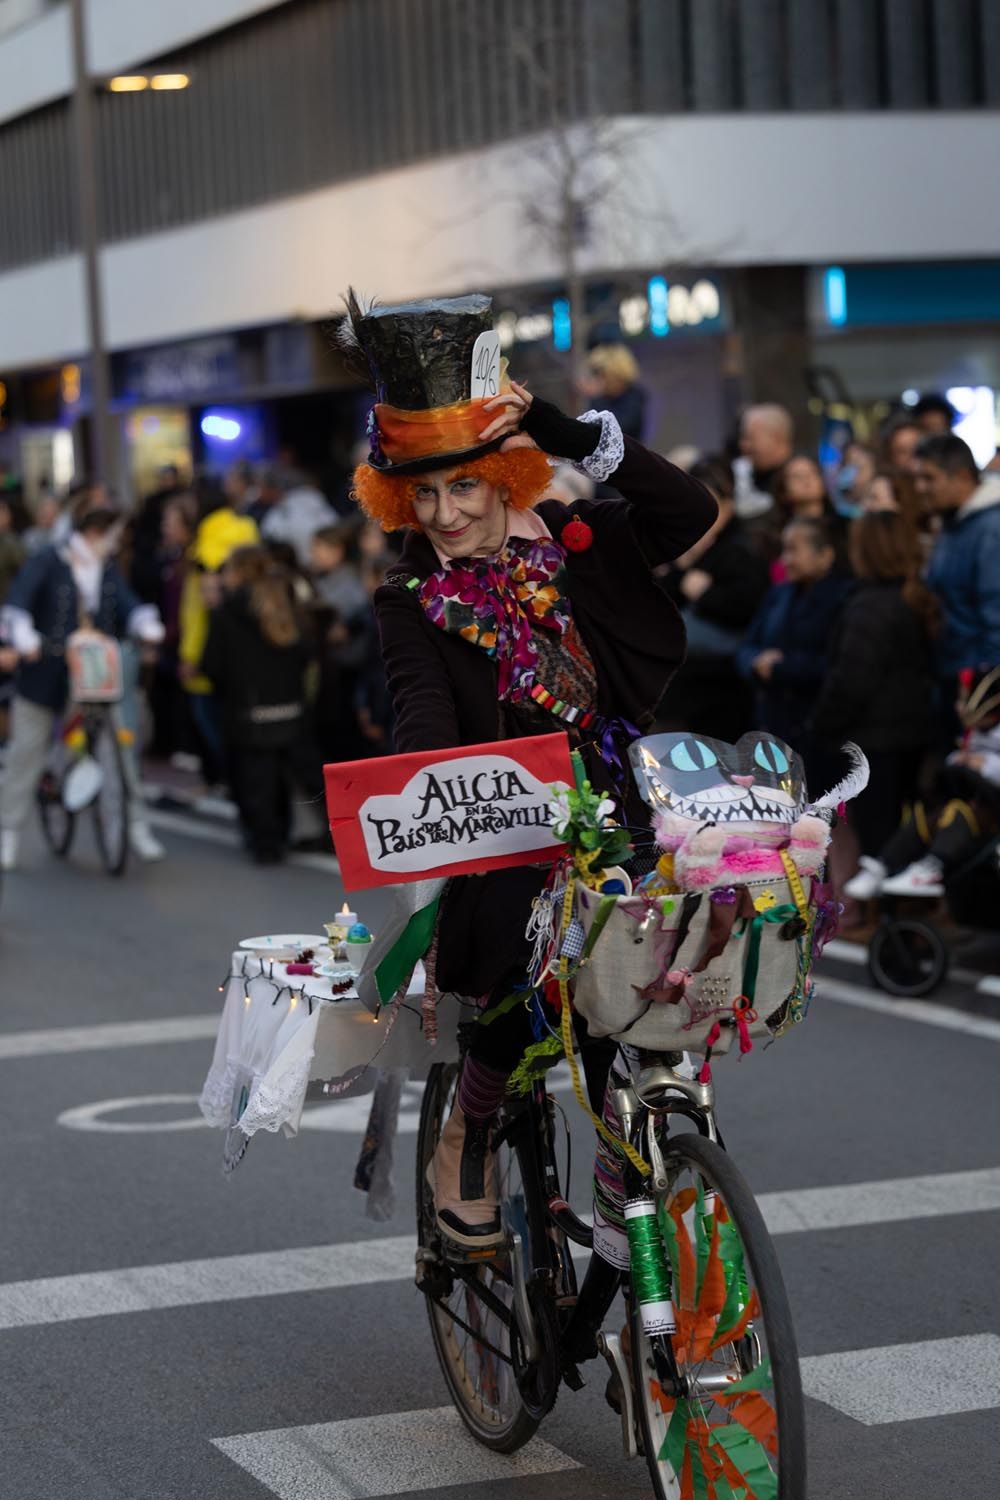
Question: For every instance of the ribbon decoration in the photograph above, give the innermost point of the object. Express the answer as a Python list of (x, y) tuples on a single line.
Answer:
[(775, 916), (566, 1032), (607, 746)]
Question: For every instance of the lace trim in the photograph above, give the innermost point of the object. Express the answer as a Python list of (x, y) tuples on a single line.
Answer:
[(610, 450), (267, 1108), (216, 1102)]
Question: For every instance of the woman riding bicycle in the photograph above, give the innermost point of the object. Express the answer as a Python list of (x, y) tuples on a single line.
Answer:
[(509, 615), (57, 590)]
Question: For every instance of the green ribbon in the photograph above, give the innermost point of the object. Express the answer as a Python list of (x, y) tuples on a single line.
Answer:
[(747, 1455), (675, 1441), (757, 1380), (597, 926), (774, 915), (503, 1006), (731, 1250), (402, 958)]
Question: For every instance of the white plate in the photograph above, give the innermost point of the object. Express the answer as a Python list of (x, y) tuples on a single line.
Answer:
[(337, 971), (284, 942)]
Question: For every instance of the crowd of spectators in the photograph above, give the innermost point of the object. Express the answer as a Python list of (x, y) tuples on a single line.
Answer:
[(825, 605), (850, 606)]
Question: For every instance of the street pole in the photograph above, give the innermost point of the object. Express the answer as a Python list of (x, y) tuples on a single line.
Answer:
[(104, 444)]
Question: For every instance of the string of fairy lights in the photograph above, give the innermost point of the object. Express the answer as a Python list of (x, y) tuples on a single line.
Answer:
[(341, 989)]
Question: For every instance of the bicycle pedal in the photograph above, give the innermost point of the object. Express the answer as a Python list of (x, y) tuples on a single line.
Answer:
[(618, 1391)]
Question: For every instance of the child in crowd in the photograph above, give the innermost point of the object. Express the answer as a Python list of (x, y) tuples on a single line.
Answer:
[(57, 591), (220, 531), (928, 847), (173, 729), (345, 615), (256, 659)]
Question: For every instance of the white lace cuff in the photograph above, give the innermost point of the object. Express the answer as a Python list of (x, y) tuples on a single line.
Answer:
[(610, 450), (18, 628), (145, 624)]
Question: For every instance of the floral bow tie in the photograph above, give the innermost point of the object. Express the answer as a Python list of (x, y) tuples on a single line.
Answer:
[(496, 602)]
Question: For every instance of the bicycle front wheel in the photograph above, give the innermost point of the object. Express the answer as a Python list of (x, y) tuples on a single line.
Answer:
[(110, 806), (739, 1427), (472, 1341)]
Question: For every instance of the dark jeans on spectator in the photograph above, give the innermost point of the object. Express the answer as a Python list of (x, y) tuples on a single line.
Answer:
[(892, 783)]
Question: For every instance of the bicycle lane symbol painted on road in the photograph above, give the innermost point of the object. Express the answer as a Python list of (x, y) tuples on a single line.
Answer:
[(345, 1116)]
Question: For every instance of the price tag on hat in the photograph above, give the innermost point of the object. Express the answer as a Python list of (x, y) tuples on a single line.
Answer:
[(486, 366)]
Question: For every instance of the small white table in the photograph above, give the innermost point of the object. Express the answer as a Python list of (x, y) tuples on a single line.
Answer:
[(285, 1037)]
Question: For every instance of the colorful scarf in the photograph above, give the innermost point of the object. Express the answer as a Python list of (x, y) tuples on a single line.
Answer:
[(497, 602)]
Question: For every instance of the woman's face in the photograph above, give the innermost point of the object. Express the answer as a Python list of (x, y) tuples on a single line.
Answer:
[(862, 461), (804, 484), (461, 514), (803, 561), (879, 495), (174, 529), (903, 445)]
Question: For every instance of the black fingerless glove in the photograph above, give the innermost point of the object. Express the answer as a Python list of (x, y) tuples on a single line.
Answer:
[(559, 435)]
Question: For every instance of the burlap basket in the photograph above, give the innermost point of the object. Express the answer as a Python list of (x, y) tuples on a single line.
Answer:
[(727, 941)]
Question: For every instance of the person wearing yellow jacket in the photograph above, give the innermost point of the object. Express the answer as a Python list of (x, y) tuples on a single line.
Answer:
[(218, 535)]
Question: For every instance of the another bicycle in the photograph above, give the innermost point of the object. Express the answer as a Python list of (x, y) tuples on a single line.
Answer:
[(86, 770), (713, 1400)]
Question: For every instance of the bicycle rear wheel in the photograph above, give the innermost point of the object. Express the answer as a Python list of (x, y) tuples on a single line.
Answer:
[(740, 1426), (58, 823), (110, 806), (472, 1342)]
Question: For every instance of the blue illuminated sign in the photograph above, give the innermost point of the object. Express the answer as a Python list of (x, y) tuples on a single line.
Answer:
[(835, 295), (658, 294), (562, 325)]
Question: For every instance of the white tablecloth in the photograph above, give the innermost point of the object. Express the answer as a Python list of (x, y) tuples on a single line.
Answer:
[(293, 1037)]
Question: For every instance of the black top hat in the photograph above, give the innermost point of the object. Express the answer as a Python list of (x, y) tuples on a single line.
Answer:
[(420, 360)]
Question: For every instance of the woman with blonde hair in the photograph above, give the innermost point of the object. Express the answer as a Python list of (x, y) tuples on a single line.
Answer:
[(256, 657)]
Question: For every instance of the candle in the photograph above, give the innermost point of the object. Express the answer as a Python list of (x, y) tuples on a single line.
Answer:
[(345, 918)]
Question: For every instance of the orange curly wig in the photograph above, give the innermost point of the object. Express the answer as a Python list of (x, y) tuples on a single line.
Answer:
[(388, 498)]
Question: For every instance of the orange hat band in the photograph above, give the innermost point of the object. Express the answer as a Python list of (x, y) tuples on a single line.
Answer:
[(406, 435)]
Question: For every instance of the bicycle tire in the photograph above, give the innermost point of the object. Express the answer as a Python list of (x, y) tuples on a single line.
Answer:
[(509, 1431), (111, 805), (895, 960), (715, 1169), (58, 823)]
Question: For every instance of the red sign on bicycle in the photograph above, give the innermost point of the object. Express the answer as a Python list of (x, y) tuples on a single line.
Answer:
[(446, 812)]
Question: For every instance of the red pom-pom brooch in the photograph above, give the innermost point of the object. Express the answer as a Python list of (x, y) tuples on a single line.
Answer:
[(577, 536)]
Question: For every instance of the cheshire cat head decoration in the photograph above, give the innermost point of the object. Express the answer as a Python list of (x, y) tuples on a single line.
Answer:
[(759, 781)]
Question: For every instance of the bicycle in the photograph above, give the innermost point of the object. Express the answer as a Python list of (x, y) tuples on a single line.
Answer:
[(86, 769), (714, 1399)]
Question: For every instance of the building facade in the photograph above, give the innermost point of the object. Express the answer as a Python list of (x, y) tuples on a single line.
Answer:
[(770, 198)]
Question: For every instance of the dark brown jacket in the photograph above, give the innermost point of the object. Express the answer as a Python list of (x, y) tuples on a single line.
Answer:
[(444, 689)]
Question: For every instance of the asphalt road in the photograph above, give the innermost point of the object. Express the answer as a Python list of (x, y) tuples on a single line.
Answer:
[(222, 1386)]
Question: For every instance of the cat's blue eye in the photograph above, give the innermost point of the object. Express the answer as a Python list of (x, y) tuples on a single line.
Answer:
[(692, 755), (770, 757)]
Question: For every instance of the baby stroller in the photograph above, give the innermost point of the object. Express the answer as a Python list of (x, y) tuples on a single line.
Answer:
[(908, 956)]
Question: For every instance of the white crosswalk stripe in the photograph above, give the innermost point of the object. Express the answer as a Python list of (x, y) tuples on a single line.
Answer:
[(61, 1039), (906, 1382), (313, 1268), (389, 1454)]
